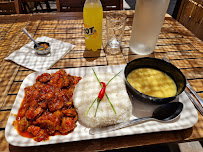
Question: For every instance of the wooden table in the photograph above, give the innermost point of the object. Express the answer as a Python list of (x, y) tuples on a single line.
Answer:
[(175, 42)]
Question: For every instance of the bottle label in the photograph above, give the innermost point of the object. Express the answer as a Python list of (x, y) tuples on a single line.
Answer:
[(90, 31)]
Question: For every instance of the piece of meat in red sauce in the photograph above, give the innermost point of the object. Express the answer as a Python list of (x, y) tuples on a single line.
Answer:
[(44, 77), (25, 103), (67, 125), (38, 133), (23, 124), (69, 90), (45, 116), (28, 93), (47, 93), (56, 102), (50, 121), (45, 123), (22, 111), (43, 104), (48, 125), (56, 118), (33, 112), (70, 113), (60, 79), (36, 97)]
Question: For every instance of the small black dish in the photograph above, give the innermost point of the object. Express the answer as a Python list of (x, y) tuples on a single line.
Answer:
[(161, 65), (44, 51)]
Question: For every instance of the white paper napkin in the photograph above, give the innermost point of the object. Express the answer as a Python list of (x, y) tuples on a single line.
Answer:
[(26, 55)]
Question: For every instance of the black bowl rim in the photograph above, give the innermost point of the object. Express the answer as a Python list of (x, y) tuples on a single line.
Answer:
[(151, 97)]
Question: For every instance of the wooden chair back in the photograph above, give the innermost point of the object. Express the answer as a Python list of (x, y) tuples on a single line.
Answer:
[(22, 4), (190, 14), (77, 5), (70, 5), (7, 8)]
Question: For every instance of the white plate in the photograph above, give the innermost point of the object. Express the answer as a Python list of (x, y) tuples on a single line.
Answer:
[(187, 118)]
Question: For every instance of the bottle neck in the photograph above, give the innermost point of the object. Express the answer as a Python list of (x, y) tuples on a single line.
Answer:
[(93, 1)]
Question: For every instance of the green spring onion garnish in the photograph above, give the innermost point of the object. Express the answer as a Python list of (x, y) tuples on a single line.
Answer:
[(98, 101)]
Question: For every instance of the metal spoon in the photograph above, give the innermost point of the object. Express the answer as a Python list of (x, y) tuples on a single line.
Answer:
[(28, 34), (164, 113)]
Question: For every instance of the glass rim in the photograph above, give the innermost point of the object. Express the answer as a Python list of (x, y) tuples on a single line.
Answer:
[(116, 13)]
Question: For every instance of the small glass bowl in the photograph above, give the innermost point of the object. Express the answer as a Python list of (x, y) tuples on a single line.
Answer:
[(44, 51)]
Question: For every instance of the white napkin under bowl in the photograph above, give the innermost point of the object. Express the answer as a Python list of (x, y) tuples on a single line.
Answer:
[(27, 57)]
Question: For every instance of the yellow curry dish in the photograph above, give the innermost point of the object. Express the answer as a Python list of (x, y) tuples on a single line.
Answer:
[(152, 82)]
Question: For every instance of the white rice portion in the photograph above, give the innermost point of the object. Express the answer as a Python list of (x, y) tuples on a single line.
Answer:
[(88, 89)]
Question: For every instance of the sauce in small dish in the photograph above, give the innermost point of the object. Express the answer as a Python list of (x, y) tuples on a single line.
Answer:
[(44, 49), (43, 46)]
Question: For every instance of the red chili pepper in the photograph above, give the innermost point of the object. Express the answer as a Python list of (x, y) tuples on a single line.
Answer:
[(102, 91), (100, 96)]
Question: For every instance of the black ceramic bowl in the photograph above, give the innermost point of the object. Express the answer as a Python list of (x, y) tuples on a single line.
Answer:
[(161, 65)]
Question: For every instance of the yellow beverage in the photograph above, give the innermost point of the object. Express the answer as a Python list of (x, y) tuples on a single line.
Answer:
[(93, 16)]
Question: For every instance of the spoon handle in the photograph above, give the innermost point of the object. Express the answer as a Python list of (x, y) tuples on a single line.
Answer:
[(194, 93), (28, 34), (119, 126)]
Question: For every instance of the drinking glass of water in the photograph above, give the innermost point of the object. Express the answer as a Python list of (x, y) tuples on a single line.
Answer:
[(115, 24), (148, 19)]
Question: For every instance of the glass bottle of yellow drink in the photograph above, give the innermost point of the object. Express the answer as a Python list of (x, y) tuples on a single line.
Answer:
[(93, 16)]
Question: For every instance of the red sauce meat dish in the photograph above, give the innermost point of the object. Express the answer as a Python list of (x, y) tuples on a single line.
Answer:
[(47, 108)]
